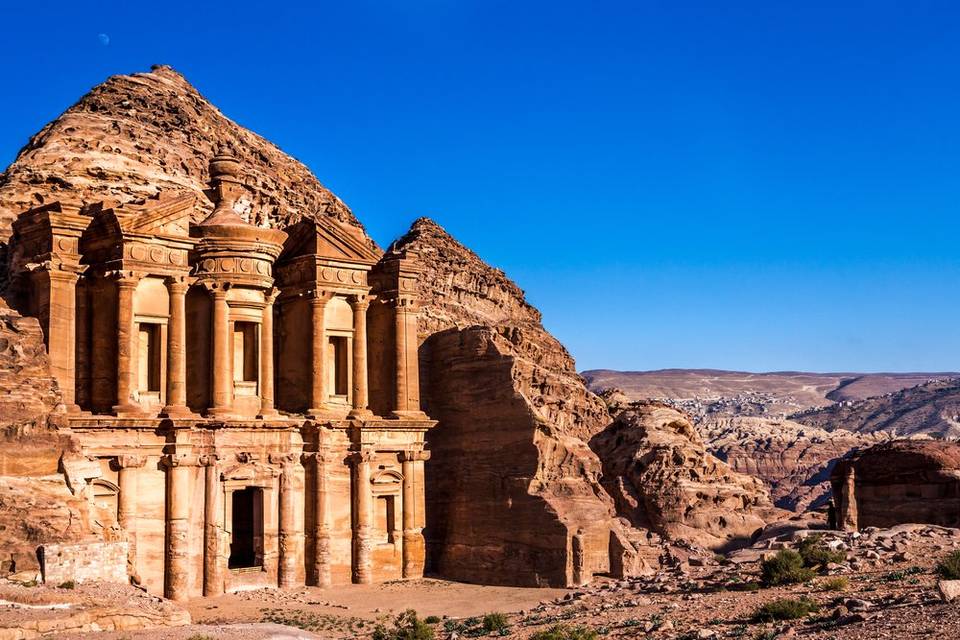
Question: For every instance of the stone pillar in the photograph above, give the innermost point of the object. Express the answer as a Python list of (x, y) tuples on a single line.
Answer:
[(212, 512), (222, 376), (177, 560), (60, 320), (267, 409), (414, 549), (318, 360), (82, 379), (407, 398), (127, 466), (578, 554), (321, 530), (848, 517), (360, 304), (126, 286), (177, 349), (290, 537), (103, 373), (362, 506)]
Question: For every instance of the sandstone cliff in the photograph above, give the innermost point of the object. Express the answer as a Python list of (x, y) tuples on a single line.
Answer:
[(513, 490), (663, 478), (794, 460)]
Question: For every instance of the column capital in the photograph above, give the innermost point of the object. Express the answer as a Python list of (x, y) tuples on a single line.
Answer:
[(209, 460), (406, 303), (175, 460), (216, 288), (414, 455), (320, 297), (361, 457), (322, 457), (177, 284), (123, 277), (270, 295), (128, 461), (360, 301), (284, 459)]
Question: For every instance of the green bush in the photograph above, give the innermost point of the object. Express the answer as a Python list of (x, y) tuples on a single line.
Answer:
[(785, 609), (564, 632), (406, 626), (949, 567), (432, 619), (817, 554), (69, 584), (785, 568), (494, 622), (835, 584)]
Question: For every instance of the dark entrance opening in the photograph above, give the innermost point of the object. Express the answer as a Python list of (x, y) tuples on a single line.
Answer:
[(246, 544)]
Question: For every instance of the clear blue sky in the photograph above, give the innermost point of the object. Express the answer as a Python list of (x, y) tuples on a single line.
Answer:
[(762, 186)]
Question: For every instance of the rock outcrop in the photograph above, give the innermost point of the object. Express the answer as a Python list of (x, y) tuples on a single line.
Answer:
[(663, 479), (513, 493), (899, 482), (794, 460), (135, 135)]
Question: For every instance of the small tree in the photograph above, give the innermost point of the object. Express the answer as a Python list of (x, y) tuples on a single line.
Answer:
[(786, 567), (406, 626)]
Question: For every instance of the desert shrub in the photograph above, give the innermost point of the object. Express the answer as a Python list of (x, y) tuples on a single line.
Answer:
[(785, 609), (785, 568), (949, 567), (839, 583), (69, 584), (406, 626), (432, 619), (494, 622), (815, 553), (565, 632), (200, 636)]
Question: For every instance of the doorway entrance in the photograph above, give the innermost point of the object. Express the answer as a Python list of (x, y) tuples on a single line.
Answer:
[(246, 543)]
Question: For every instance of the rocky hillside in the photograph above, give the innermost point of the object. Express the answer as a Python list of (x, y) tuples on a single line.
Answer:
[(932, 408), (134, 135), (708, 392), (663, 478), (793, 460), (514, 416)]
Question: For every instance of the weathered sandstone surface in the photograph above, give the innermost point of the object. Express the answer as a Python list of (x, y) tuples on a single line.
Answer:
[(663, 478), (134, 135), (513, 493), (794, 460), (899, 482)]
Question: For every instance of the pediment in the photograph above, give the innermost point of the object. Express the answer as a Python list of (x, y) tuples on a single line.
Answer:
[(168, 217), (328, 238)]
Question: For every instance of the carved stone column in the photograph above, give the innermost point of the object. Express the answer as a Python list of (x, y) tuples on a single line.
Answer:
[(414, 549), (267, 409), (318, 360), (59, 319), (290, 538), (177, 566), (360, 304), (321, 530), (127, 466), (407, 398), (177, 349), (126, 286), (848, 516), (222, 374), (363, 518), (82, 368), (212, 512)]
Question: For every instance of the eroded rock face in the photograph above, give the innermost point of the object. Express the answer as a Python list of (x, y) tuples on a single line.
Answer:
[(899, 482), (794, 460), (135, 135), (663, 479), (513, 493)]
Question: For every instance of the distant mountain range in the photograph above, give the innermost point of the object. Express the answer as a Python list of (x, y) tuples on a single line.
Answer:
[(703, 392)]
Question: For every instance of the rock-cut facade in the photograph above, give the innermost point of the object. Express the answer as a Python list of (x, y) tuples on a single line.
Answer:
[(244, 399)]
